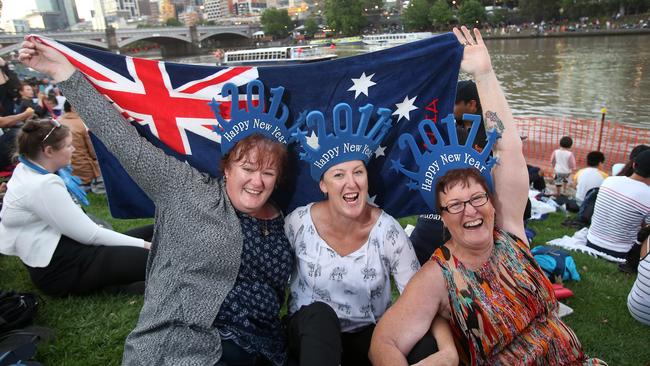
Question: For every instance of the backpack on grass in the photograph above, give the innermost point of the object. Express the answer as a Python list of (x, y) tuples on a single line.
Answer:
[(17, 310), (557, 264)]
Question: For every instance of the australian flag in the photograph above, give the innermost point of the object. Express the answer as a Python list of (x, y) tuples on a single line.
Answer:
[(168, 104)]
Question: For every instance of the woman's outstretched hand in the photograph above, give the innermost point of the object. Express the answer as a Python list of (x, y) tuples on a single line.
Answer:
[(45, 59), (476, 59)]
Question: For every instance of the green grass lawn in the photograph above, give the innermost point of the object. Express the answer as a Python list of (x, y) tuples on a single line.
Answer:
[(91, 330)]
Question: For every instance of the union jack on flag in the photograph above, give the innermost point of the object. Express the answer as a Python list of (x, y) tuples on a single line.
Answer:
[(168, 103)]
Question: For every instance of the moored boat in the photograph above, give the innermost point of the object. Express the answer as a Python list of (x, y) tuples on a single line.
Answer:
[(337, 41), (278, 55), (394, 39)]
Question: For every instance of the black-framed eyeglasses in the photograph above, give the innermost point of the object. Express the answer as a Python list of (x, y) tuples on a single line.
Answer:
[(477, 200), (55, 124)]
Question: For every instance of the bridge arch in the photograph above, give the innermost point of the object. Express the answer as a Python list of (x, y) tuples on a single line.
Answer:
[(160, 39), (205, 36)]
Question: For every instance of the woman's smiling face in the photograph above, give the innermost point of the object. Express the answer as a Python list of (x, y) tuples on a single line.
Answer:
[(473, 226), (346, 186)]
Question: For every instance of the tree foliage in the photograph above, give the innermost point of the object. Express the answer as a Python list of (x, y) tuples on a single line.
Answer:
[(373, 6), (498, 16), (172, 22), (440, 14), (311, 26), (345, 16), (471, 12), (416, 16), (573, 9), (276, 22), (538, 10)]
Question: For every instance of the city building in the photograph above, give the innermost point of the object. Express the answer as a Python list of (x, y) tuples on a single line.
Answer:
[(16, 26), (145, 7), (190, 16), (125, 9), (249, 7), (216, 10), (38, 14)]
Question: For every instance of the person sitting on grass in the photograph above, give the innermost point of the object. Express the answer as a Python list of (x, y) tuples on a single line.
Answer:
[(26, 100), (626, 169), (84, 160), (638, 301), (591, 176), (484, 280), (622, 207), (64, 251), (347, 250)]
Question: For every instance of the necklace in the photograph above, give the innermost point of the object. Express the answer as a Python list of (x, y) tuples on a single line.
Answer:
[(264, 227)]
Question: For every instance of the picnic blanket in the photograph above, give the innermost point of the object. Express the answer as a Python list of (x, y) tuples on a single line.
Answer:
[(578, 242)]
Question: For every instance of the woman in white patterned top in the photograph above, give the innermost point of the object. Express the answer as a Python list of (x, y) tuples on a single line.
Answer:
[(346, 250)]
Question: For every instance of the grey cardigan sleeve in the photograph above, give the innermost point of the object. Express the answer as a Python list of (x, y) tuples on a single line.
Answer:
[(154, 171)]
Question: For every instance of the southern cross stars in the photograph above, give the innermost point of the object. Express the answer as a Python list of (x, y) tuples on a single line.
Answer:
[(362, 84), (404, 109)]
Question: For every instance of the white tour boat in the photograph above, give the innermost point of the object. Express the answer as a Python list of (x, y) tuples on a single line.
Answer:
[(394, 39), (278, 55)]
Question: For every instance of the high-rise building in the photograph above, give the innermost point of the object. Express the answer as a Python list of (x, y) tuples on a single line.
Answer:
[(97, 15), (125, 9), (248, 7), (215, 10), (190, 16), (154, 9), (39, 14), (144, 6)]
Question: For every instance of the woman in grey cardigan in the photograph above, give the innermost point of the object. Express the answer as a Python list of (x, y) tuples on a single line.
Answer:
[(219, 259)]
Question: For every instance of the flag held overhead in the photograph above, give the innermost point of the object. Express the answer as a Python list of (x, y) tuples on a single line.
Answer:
[(168, 103)]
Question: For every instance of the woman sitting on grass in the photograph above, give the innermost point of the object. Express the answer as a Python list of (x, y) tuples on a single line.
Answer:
[(346, 250), (638, 301), (219, 260), (484, 280), (64, 251)]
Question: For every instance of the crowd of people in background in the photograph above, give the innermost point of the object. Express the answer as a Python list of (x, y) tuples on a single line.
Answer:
[(24, 99)]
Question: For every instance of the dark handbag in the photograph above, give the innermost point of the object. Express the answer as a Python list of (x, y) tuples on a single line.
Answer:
[(17, 310)]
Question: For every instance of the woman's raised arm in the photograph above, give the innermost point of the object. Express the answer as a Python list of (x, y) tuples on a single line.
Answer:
[(510, 174), (153, 170)]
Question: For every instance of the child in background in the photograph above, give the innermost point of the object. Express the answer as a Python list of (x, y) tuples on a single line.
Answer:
[(564, 163)]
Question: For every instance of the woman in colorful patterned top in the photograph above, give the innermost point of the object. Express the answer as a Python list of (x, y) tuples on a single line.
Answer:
[(484, 280)]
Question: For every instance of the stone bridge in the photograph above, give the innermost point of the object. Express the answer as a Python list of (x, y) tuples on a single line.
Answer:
[(173, 40)]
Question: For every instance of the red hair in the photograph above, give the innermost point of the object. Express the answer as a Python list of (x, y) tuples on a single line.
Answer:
[(269, 153)]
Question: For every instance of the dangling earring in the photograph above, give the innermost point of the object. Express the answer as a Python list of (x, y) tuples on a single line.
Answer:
[(444, 233), (225, 179)]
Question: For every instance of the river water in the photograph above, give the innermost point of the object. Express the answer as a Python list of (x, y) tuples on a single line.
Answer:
[(569, 77), (574, 76)]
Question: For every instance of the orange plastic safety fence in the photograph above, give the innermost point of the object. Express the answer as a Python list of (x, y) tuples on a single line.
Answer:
[(542, 136)]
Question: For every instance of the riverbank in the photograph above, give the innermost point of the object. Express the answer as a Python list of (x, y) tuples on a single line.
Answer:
[(531, 33)]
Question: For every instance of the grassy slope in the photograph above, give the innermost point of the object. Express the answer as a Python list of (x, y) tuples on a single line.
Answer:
[(91, 330)]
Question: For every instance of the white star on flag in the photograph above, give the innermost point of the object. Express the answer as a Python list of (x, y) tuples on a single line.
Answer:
[(380, 151), (312, 140), (362, 84), (371, 200), (404, 109)]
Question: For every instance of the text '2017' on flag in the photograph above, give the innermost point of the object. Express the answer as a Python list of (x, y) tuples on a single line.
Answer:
[(168, 103)]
